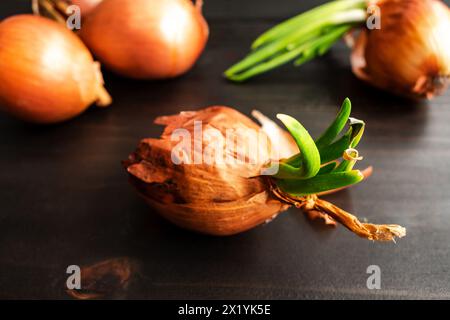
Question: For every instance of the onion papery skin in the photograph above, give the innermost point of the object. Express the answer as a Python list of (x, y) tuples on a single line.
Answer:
[(202, 197), (410, 54), (146, 39), (47, 73)]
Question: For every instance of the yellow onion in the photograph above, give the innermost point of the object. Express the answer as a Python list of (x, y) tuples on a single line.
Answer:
[(47, 73), (146, 39), (410, 53), (225, 198)]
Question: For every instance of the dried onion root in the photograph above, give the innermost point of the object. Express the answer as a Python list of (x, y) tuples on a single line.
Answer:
[(316, 208)]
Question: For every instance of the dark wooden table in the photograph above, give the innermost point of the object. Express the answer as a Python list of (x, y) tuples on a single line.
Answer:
[(65, 198)]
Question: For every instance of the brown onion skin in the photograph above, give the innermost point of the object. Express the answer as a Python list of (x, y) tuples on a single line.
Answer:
[(140, 38), (202, 197), (47, 73), (409, 55), (86, 6)]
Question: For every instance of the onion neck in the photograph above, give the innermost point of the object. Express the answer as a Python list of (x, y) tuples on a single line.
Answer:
[(53, 9), (103, 98)]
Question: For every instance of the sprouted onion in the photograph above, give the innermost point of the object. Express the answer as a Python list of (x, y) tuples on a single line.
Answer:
[(219, 199), (408, 52)]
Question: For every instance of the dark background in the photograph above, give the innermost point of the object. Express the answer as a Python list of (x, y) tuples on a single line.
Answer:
[(65, 199)]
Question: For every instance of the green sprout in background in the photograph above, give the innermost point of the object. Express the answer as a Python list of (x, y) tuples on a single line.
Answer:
[(300, 39)]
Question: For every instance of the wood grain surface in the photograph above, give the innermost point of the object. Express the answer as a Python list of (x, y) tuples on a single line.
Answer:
[(65, 198)]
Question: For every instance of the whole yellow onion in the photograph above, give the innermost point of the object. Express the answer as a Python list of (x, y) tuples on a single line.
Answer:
[(146, 39), (47, 74), (410, 53)]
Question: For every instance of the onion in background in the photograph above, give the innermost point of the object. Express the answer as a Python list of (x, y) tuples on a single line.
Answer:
[(47, 73), (410, 53), (146, 39), (407, 53)]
